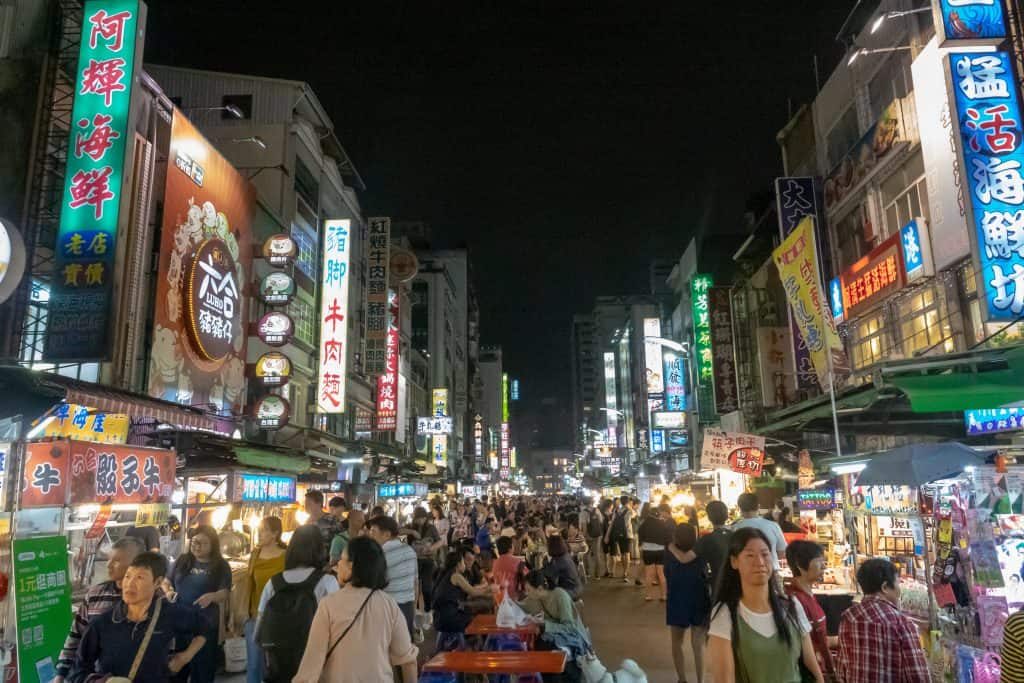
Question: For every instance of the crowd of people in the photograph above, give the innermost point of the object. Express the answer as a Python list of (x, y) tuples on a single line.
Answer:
[(350, 597)]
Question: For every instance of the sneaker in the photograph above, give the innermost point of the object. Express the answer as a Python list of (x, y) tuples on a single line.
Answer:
[(639, 582), (626, 580)]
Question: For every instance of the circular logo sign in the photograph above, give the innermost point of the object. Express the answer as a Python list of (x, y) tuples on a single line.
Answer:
[(275, 328), (280, 250), (12, 259), (272, 412), (273, 369), (212, 302), (403, 265), (277, 288)]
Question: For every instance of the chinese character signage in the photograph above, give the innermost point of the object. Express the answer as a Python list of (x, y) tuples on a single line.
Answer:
[(723, 364), (657, 441), (78, 325), (873, 278), (699, 287), (42, 598), (378, 257), (76, 473), (264, 488), (668, 420), (775, 358), (988, 116), (504, 397), (434, 425), (969, 22), (478, 439), (334, 289), (439, 402), (674, 366), (72, 421), (387, 383), (835, 297), (797, 261), (280, 250), (275, 328), (611, 399), (272, 412), (504, 459), (816, 499), (916, 249), (732, 450), (439, 449), (277, 288), (993, 421), (403, 490), (652, 357), (515, 390), (273, 369), (198, 348)]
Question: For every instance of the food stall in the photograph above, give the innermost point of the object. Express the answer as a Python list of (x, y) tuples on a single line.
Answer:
[(400, 499)]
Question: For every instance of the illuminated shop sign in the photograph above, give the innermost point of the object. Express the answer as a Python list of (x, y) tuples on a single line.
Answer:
[(439, 402), (969, 22), (504, 397), (434, 425), (873, 278), (702, 328), (334, 286), (378, 259), (820, 499), (657, 441), (267, 488), (993, 421), (723, 362), (403, 490), (917, 252), (387, 383)]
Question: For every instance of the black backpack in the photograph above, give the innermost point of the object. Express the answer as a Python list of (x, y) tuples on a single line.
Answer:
[(619, 525), (284, 626), (595, 529)]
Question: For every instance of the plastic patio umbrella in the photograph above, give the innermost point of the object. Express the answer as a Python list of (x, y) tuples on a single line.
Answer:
[(919, 464)]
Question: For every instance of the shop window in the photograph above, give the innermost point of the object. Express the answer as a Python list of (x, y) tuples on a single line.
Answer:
[(868, 346), (305, 241), (905, 195), (922, 325)]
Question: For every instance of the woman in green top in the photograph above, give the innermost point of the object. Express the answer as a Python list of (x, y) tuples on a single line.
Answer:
[(563, 629), (757, 635)]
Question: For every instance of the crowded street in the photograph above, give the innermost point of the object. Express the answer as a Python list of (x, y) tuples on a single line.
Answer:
[(515, 342)]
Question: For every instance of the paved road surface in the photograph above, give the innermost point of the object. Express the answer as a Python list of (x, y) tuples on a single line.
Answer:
[(623, 626)]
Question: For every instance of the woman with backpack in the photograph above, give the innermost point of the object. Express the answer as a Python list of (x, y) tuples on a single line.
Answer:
[(358, 633), (288, 603), (267, 559), (202, 578), (757, 634)]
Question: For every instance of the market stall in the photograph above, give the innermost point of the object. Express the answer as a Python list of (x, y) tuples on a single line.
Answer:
[(401, 498)]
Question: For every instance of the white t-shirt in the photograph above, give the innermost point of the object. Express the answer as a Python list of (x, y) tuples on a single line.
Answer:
[(324, 587), (763, 623), (771, 530)]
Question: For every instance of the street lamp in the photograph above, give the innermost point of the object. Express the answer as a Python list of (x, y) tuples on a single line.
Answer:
[(874, 51), (668, 344), (895, 15), (612, 410), (254, 139), (229, 108)]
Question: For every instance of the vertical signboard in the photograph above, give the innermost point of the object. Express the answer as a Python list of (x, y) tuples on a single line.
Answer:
[(403, 417), (504, 462), (334, 287), (198, 350), (797, 261), (378, 257), (439, 402), (78, 325), (794, 199), (515, 390), (387, 383), (611, 400), (960, 23), (674, 365), (652, 358), (478, 439), (42, 598), (988, 116), (439, 448), (723, 352), (504, 397), (775, 358), (699, 287)]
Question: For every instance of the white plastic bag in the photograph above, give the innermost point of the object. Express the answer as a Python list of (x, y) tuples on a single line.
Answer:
[(235, 655), (510, 615)]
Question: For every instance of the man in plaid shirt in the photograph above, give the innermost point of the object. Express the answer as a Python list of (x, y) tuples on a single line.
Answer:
[(99, 599), (877, 644)]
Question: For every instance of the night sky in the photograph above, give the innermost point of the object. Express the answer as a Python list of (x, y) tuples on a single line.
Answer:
[(566, 144)]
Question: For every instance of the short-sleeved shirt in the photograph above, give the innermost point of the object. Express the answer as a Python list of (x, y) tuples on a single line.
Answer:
[(771, 530), (762, 622), (147, 535), (403, 571), (202, 578), (713, 549)]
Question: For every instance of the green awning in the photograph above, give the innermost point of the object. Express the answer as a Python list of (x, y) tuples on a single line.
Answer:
[(269, 460), (984, 380), (819, 407)]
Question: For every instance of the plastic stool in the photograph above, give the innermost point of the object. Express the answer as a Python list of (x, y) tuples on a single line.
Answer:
[(504, 642), (438, 677), (448, 641)]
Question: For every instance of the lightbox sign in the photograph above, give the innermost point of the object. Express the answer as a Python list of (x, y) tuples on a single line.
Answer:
[(652, 358), (403, 490), (818, 499), (478, 438), (439, 402), (378, 258), (611, 400), (334, 286), (874, 277), (515, 390), (434, 425), (988, 118), (267, 488), (657, 441), (993, 421), (699, 287), (504, 469), (917, 261), (723, 351), (78, 325), (835, 297), (504, 397), (969, 22), (668, 420), (387, 383), (675, 381), (439, 450)]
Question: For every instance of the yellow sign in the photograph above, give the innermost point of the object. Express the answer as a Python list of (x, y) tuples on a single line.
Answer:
[(81, 423), (439, 448), (152, 514), (512, 459), (439, 403), (797, 261)]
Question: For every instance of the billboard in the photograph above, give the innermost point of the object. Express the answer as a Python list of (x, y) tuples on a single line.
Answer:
[(387, 383), (378, 257), (95, 191), (652, 357), (723, 352), (988, 115), (201, 314), (334, 290)]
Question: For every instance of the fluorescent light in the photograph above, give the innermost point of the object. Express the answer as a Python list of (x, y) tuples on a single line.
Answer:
[(878, 22), (38, 430), (853, 57), (351, 461), (848, 468)]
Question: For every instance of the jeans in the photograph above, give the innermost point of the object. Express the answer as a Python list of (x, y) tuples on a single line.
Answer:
[(408, 611), (204, 664), (253, 654)]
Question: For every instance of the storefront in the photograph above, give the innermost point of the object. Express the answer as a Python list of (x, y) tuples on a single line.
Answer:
[(402, 498)]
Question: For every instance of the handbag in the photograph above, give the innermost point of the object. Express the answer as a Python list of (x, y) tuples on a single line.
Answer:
[(351, 624), (143, 646)]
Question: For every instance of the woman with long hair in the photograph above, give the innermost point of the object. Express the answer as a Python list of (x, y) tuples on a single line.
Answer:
[(655, 533), (452, 591), (266, 560), (561, 568), (757, 634), (561, 625), (201, 577), (688, 600), (358, 633)]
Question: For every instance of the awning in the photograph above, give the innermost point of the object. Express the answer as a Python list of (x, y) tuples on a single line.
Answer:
[(794, 417), (982, 379), (16, 382), (270, 460)]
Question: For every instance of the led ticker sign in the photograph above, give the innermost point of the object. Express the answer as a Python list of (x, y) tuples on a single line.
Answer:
[(873, 278), (80, 292), (699, 287), (267, 488), (993, 421), (988, 116), (334, 286), (818, 499), (403, 490)]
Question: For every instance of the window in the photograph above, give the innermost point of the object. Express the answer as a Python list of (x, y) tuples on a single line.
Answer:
[(305, 242), (843, 136), (243, 102), (921, 325), (306, 185), (850, 232), (868, 345), (302, 316), (888, 84), (971, 303), (905, 195), (34, 339)]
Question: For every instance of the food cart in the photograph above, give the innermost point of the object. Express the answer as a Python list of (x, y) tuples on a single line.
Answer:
[(400, 499)]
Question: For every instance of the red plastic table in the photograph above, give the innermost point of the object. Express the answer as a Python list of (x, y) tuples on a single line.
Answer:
[(469, 662)]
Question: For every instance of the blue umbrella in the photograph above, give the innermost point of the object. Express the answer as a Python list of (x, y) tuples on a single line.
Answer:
[(918, 464)]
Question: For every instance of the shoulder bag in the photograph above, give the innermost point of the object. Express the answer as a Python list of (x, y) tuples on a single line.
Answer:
[(143, 646), (349, 627)]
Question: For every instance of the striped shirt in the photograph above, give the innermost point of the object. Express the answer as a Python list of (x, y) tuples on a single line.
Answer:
[(1013, 649), (402, 571), (99, 599)]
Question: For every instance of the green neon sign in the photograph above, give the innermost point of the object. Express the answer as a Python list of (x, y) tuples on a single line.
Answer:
[(80, 296), (699, 287)]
